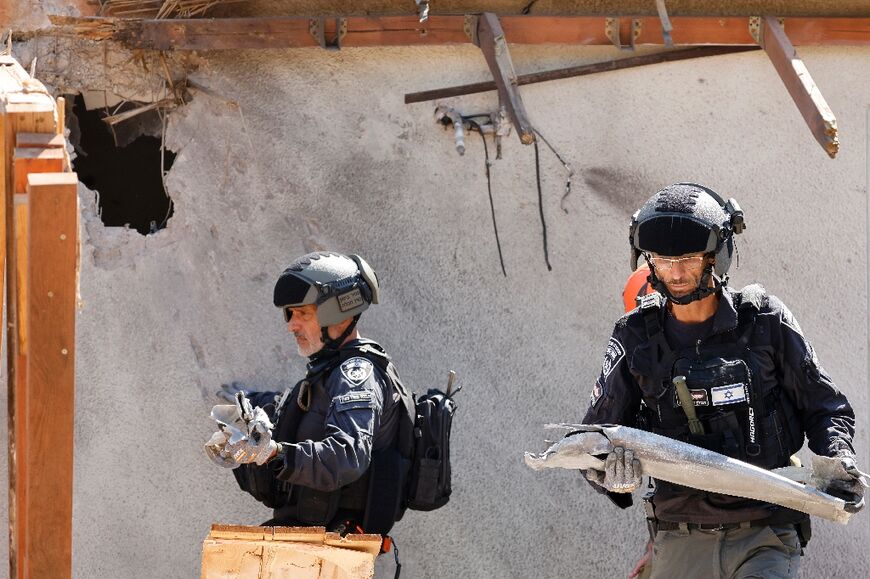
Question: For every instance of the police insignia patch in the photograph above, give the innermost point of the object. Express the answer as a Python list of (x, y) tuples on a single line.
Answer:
[(357, 370), (614, 353), (597, 391)]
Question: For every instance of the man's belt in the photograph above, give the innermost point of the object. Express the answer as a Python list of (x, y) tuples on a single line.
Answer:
[(773, 521), (672, 526)]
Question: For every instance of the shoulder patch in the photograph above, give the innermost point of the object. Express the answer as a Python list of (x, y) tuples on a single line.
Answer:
[(753, 295), (652, 300), (357, 370), (612, 356)]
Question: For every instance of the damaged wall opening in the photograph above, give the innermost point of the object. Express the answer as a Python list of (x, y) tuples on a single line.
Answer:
[(122, 163)]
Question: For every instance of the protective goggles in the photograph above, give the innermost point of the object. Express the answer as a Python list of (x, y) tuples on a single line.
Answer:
[(665, 263)]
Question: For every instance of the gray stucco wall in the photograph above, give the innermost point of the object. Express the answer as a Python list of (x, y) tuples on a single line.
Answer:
[(326, 155)]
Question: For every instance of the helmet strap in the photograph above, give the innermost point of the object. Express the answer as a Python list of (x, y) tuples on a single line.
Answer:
[(703, 290), (333, 345)]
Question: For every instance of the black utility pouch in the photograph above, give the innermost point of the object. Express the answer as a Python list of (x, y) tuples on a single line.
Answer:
[(316, 508), (260, 482)]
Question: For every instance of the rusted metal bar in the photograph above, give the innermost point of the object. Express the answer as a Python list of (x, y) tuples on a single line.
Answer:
[(493, 44), (800, 85), (294, 32), (581, 70)]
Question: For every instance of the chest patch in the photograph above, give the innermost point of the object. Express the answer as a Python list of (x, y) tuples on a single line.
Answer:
[(612, 356), (699, 398), (728, 394), (357, 370)]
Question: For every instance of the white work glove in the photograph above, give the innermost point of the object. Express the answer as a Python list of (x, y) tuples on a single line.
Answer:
[(257, 446), (622, 472), (215, 449), (244, 436)]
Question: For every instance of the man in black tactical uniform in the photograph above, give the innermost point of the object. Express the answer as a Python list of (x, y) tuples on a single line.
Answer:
[(333, 457), (723, 369)]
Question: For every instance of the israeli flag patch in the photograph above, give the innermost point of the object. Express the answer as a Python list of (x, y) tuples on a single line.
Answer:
[(728, 394), (357, 370)]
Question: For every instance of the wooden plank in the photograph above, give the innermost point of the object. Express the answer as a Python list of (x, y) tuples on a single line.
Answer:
[(581, 70), (18, 388), (800, 85), (293, 31), (564, 7), (33, 160), (40, 140), (24, 108), (299, 552), (52, 250), (493, 44), (222, 34)]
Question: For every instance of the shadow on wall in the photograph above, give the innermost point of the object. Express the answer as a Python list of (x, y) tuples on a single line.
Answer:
[(122, 164)]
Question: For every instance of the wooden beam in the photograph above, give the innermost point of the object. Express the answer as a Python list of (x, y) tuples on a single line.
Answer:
[(493, 44), (40, 140), (50, 302), (33, 160), (800, 85), (582, 70), (19, 390), (25, 107), (295, 32), (561, 7)]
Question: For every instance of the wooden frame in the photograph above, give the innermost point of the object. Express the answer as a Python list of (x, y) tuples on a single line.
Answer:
[(295, 32), (40, 249)]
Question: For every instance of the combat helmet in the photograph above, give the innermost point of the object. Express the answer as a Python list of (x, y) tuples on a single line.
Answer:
[(341, 286), (687, 218)]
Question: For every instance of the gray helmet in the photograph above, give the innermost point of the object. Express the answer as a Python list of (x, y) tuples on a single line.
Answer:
[(340, 286), (687, 218)]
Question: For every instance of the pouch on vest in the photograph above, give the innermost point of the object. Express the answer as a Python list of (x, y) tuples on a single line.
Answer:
[(385, 504), (720, 389), (316, 508), (429, 487), (262, 484)]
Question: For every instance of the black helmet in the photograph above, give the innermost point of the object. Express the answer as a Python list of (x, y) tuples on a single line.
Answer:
[(687, 218), (341, 287)]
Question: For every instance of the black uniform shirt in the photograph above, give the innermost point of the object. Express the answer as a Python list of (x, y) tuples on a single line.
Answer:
[(780, 357)]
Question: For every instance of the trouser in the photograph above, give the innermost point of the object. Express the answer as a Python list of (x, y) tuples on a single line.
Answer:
[(741, 553)]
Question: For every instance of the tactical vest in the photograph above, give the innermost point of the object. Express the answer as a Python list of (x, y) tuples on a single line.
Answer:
[(743, 416), (378, 496)]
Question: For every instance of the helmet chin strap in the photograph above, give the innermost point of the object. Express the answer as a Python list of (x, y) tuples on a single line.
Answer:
[(702, 291), (331, 346)]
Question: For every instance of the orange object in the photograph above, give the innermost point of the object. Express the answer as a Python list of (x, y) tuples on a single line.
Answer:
[(387, 544), (636, 286)]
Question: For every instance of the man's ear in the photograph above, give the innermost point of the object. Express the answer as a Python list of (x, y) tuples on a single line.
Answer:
[(336, 330)]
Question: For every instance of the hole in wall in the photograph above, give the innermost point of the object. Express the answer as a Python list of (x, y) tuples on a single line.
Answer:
[(122, 163)]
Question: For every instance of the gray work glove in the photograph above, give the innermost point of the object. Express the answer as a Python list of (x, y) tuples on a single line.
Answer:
[(850, 485), (228, 391), (622, 472)]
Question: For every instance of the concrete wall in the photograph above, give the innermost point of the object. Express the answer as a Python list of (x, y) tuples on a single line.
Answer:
[(322, 153)]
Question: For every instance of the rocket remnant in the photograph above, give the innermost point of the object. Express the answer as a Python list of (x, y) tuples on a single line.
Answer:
[(685, 464)]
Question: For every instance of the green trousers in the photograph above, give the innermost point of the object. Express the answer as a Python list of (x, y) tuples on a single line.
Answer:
[(743, 553)]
